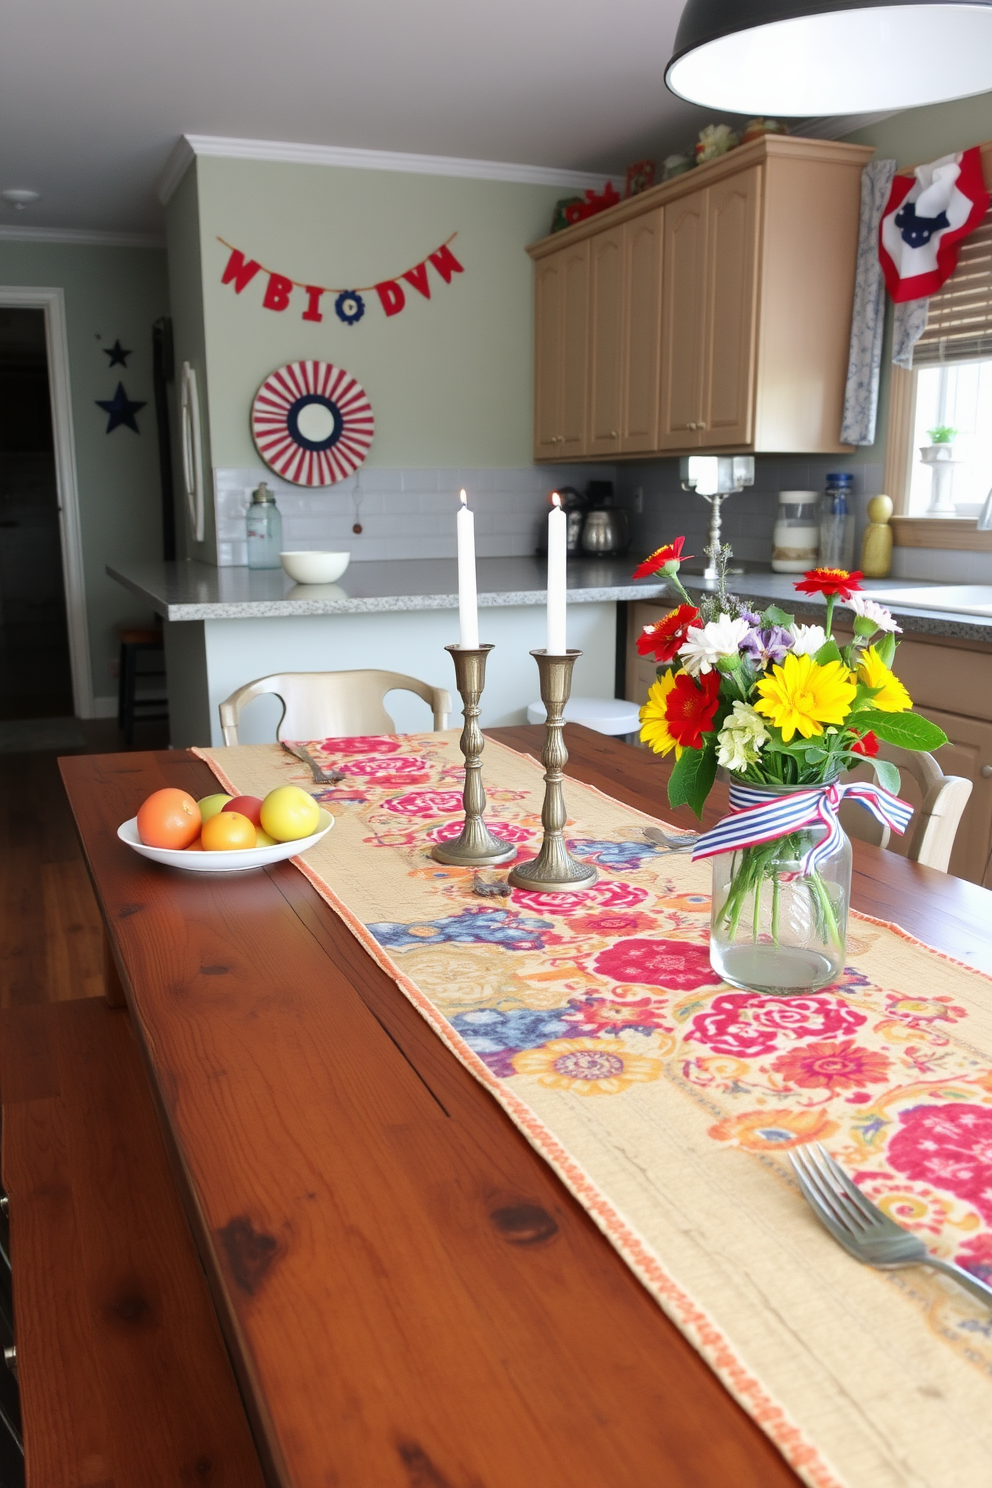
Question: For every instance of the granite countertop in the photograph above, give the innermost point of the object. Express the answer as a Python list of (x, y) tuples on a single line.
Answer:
[(776, 588), (198, 591)]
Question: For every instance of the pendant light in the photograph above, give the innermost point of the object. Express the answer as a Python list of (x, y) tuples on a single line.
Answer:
[(780, 57)]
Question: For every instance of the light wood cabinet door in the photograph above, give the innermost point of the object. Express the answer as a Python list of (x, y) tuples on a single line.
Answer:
[(547, 355), (573, 429), (561, 322), (642, 256), (731, 303), (606, 336), (683, 322)]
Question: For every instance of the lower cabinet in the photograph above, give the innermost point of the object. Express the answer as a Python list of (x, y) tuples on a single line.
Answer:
[(950, 685)]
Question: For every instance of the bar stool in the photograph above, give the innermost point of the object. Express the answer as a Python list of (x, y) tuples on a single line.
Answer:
[(151, 703), (605, 715)]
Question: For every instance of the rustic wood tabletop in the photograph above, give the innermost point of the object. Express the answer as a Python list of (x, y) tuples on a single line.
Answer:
[(409, 1294)]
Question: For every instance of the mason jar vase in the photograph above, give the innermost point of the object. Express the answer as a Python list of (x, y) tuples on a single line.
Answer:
[(774, 927)]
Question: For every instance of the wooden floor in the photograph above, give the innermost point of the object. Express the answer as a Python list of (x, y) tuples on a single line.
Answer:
[(51, 944)]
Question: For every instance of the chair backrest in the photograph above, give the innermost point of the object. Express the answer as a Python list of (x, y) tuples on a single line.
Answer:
[(940, 800), (320, 705)]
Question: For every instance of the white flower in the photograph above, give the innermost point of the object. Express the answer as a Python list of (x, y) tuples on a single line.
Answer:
[(867, 609), (705, 646), (739, 741), (809, 639)]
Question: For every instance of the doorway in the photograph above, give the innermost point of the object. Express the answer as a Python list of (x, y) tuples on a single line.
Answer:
[(35, 669)]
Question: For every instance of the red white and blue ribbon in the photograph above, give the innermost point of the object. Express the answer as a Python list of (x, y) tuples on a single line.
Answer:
[(760, 815)]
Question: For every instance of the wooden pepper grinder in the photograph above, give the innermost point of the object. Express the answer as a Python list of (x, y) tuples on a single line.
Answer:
[(876, 548)]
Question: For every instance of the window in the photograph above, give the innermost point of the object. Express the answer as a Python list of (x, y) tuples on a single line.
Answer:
[(958, 394)]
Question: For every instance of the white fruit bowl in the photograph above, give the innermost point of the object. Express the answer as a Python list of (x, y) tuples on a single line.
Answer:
[(238, 860), (315, 568)]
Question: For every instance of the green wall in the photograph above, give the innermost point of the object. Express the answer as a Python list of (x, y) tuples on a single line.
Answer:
[(450, 379), (109, 293)]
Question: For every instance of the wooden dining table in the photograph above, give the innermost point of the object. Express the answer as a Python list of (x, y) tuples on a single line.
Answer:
[(409, 1294)]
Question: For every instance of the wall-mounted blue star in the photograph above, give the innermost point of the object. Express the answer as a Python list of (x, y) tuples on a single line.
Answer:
[(118, 356), (121, 410)]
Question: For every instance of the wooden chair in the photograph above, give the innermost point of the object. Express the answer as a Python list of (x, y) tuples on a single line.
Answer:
[(942, 799), (320, 705)]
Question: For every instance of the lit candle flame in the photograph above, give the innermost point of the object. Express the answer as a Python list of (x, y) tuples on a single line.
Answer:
[(463, 498), (555, 498)]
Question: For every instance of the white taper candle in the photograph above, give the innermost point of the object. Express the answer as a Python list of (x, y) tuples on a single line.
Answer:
[(468, 599), (557, 549)]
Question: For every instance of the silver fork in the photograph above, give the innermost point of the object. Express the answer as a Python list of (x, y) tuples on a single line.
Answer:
[(320, 776), (860, 1226)]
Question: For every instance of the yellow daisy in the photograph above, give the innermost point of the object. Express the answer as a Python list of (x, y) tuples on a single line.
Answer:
[(873, 672), (586, 1066), (801, 696), (654, 724)]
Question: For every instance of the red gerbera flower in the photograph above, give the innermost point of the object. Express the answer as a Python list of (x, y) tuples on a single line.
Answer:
[(690, 707), (866, 745), (662, 639), (829, 581), (663, 560)]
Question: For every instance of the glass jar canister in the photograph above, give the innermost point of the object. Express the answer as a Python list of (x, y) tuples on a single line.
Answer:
[(796, 535), (778, 924), (264, 525)]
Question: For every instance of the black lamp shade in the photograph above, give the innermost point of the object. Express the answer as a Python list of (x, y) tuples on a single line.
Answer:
[(830, 56)]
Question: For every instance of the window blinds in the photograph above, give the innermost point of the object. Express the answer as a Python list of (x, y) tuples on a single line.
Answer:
[(959, 319)]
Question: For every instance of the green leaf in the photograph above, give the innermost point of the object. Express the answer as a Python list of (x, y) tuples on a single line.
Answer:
[(690, 781), (907, 730), (863, 697), (885, 649), (814, 756), (774, 616), (887, 775), (829, 651)]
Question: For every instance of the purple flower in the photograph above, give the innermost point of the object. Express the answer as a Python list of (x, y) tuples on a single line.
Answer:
[(767, 647), (750, 617)]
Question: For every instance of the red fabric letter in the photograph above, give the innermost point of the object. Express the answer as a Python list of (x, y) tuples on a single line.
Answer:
[(418, 278), (446, 263), (242, 273), (278, 292), (392, 297), (312, 312)]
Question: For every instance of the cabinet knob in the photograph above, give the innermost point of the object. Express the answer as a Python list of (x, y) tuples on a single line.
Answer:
[(700, 426), (613, 434), (986, 772)]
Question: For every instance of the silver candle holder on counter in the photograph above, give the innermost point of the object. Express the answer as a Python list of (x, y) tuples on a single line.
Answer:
[(476, 847), (554, 870)]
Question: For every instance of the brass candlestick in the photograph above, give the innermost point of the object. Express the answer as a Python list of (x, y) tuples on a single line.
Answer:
[(476, 847), (554, 870)]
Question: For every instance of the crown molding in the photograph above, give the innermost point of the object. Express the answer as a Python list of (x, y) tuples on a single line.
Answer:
[(80, 237), (837, 126), (192, 145)]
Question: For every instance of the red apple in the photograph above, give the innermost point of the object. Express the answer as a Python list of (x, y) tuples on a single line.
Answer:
[(249, 806)]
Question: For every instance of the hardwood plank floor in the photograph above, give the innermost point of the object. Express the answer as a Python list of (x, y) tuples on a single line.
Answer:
[(51, 938)]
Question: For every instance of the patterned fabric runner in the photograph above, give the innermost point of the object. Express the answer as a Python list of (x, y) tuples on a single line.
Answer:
[(667, 1101)]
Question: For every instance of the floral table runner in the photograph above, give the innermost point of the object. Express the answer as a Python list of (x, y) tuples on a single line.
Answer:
[(667, 1101)]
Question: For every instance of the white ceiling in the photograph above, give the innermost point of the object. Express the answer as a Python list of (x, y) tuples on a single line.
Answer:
[(95, 93)]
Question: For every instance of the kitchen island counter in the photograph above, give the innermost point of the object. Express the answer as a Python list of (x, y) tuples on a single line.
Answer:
[(197, 591)]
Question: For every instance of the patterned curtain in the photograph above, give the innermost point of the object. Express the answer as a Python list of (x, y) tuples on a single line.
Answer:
[(868, 319)]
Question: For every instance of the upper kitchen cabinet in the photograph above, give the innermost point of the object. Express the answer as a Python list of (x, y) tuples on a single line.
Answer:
[(561, 339), (718, 307)]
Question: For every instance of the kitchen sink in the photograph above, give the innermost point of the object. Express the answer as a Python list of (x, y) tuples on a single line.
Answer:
[(964, 599)]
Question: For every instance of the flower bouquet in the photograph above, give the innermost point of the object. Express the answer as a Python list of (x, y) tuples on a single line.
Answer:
[(786, 711)]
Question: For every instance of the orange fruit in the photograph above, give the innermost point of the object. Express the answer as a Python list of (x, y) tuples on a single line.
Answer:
[(169, 818), (226, 832)]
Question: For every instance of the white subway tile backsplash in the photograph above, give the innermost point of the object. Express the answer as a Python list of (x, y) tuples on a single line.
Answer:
[(403, 513)]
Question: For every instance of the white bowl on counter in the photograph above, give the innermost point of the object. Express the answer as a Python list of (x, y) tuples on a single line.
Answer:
[(313, 567)]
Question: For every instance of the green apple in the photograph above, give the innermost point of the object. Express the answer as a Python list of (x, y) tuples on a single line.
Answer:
[(211, 805)]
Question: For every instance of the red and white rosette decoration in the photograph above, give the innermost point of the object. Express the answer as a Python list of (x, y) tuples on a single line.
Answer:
[(927, 215), (312, 423)]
